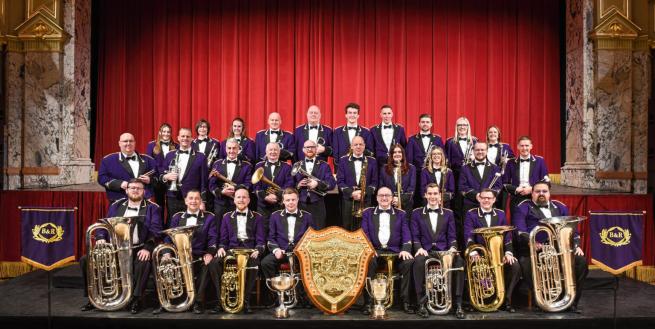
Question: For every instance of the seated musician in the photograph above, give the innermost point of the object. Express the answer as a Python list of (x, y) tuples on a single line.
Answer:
[(388, 230), (143, 239), (203, 244), (388, 178), (433, 229), (234, 169), (527, 216), (243, 229), (287, 226), (487, 216)]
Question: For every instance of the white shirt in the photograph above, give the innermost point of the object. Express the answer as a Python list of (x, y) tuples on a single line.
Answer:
[(231, 167), (546, 212), (358, 170), (192, 220), (487, 218), (433, 220), (272, 136), (134, 164), (351, 133), (464, 145), (309, 166), (480, 170), (133, 213), (385, 229), (437, 176), (426, 142), (291, 226), (165, 149), (272, 169), (492, 153), (313, 134), (202, 145), (242, 234), (183, 162), (387, 135), (524, 173)]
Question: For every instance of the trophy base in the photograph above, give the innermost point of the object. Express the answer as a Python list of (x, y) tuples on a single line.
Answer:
[(379, 313), (281, 313)]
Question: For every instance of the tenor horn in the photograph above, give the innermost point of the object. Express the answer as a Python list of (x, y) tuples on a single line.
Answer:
[(437, 282), (174, 275), (233, 282), (485, 274), (109, 267), (552, 266)]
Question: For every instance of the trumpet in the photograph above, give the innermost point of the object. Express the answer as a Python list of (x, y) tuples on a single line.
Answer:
[(437, 282), (258, 175), (110, 264), (358, 207), (233, 282), (297, 169)]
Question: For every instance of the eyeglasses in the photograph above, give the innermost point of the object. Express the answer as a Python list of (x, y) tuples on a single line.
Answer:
[(309, 147), (385, 195), (462, 125)]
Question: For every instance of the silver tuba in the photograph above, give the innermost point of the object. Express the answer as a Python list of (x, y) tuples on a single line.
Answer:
[(552, 267), (109, 267), (437, 282), (174, 276)]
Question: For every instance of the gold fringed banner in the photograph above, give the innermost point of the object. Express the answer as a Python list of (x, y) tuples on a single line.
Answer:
[(10, 270)]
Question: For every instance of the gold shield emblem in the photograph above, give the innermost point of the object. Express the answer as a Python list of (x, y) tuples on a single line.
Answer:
[(333, 264)]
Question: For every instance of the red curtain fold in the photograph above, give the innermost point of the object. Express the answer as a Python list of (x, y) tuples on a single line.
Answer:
[(176, 61)]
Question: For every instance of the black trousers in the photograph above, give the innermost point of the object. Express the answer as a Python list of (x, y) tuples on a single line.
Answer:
[(317, 209), (457, 277), (348, 221), (579, 266), (203, 274), (404, 269), (140, 271)]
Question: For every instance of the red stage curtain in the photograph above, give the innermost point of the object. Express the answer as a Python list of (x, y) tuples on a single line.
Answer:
[(176, 61)]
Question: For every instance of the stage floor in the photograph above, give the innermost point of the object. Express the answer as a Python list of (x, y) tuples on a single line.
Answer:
[(24, 301)]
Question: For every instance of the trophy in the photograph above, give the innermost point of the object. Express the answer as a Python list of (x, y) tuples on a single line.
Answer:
[(282, 284), (378, 289)]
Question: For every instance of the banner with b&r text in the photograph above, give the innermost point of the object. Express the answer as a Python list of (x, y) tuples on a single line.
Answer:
[(47, 236), (616, 239)]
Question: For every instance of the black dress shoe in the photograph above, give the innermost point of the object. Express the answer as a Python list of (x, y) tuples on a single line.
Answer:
[(247, 309), (217, 309), (423, 311), (407, 308), (367, 309), (135, 307), (509, 308), (197, 308), (459, 312), (575, 309), (158, 310), (87, 307)]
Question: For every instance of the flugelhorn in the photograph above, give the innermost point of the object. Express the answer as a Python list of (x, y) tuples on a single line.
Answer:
[(174, 275), (109, 266), (218, 175), (554, 284), (437, 282), (485, 273), (259, 175), (297, 169), (233, 282)]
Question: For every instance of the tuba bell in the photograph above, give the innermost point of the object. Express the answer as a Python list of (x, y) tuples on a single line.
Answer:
[(174, 276), (109, 267), (258, 175), (233, 282), (552, 267), (485, 275), (437, 282)]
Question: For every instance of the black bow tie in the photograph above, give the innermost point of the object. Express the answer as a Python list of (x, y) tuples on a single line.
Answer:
[(232, 161), (240, 213), (313, 127), (309, 160), (524, 160), (275, 131), (133, 158), (191, 215), (132, 208), (295, 214), (352, 128), (486, 213), (545, 206), (426, 136), (182, 152), (384, 211), (493, 145), (479, 163), (272, 163), (433, 210), (463, 139), (358, 159), (164, 143), (387, 126), (202, 141)]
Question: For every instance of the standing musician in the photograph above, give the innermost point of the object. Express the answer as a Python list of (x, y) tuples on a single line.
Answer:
[(523, 172), (316, 132), (387, 134), (246, 145), (278, 172), (287, 226), (419, 145), (388, 230), (459, 151), (203, 244), (185, 169), (389, 178), (478, 175), (158, 149), (435, 171), (349, 179), (235, 170), (146, 232), (343, 136), (499, 154), (487, 216), (312, 191), (526, 216), (204, 144), (243, 228), (274, 134), (433, 229), (118, 168)]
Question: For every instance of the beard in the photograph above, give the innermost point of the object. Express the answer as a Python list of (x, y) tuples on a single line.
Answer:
[(135, 198), (541, 201)]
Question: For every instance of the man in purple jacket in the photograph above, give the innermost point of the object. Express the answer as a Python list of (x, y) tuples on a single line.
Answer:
[(277, 172), (387, 134), (343, 135), (352, 172), (237, 171), (312, 191), (478, 175), (274, 134), (523, 172), (316, 132)]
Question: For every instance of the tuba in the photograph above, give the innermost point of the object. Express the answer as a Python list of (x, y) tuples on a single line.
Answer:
[(258, 175), (437, 282), (297, 169), (485, 275), (233, 282), (110, 264), (552, 267), (174, 276)]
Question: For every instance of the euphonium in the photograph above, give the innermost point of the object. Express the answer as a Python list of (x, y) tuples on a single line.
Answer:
[(109, 267), (259, 175), (358, 207), (437, 282), (174, 276), (233, 282), (485, 275), (553, 264)]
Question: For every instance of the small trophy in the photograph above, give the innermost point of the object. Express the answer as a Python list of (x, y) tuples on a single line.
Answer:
[(378, 288), (281, 284)]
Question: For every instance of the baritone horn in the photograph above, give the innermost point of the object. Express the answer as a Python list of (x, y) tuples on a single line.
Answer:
[(485, 273), (437, 282), (233, 282), (174, 275), (258, 175), (109, 266), (552, 267)]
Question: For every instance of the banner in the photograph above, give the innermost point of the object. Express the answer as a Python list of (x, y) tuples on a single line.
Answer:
[(616, 240), (47, 236)]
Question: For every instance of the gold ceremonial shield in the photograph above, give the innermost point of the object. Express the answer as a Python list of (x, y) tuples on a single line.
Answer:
[(333, 264)]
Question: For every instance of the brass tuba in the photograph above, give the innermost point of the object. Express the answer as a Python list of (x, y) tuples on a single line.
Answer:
[(437, 282), (485, 275), (259, 175), (109, 267), (233, 282), (174, 276), (552, 267)]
